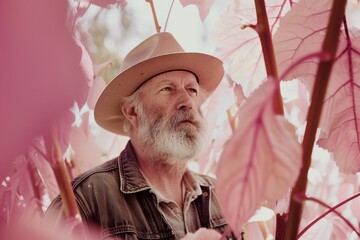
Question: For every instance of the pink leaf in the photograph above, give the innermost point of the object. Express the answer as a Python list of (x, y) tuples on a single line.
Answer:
[(86, 151), (260, 162), (202, 5), (86, 67), (64, 131), (355, 209), (301, 33), (44, 167), (322, 230), (219, 128), (21, 196), (240, 48), (95, 91), (41, 74), (79, 11), (105, 65)]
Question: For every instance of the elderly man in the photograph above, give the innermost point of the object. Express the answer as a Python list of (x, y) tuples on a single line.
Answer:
[(148, 192)]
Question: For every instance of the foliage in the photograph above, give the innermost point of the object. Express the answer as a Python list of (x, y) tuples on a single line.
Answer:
[(256, 152)]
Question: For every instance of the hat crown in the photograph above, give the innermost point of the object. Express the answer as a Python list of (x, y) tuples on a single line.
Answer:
[(157, 45)]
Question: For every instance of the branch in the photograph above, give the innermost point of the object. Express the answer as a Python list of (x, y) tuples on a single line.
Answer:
[(154, 15), (263, 29), (167, 18), (322, 78), (63, 180)]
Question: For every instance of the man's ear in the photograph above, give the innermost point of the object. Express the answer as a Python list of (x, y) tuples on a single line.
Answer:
[(129, 112)]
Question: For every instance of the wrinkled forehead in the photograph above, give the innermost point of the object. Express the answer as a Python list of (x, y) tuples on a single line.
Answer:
[(172, 76)]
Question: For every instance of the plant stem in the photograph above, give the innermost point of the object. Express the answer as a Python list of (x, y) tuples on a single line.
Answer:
[(154, 15), (322, 78), (63, 180), (61, 173), (263, 29), (167, 18), (281, 220)]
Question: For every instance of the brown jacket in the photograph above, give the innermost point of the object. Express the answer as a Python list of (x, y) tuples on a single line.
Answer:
[(116, 197)]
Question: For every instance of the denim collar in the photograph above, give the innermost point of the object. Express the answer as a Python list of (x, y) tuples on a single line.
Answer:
[(131, 178)]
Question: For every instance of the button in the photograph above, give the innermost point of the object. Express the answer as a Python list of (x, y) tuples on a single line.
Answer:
[(205, 194)]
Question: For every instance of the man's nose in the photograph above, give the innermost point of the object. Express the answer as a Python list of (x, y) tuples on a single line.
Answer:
[(185, 101)]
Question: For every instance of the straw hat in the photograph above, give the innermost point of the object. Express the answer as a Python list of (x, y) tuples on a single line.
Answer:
[(157, 54)]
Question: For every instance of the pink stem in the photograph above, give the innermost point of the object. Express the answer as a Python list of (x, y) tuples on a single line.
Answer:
[(167, 18), (263, 29), (329, 47), (154, 15), (321, 55)]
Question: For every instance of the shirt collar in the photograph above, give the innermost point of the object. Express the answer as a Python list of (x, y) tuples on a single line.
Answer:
[(191, 185)]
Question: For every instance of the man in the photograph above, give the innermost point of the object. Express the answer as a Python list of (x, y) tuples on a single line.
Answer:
[(148, 192)]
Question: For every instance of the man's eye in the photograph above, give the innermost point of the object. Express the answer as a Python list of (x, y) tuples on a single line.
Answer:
[(192, 91), (166, 89)]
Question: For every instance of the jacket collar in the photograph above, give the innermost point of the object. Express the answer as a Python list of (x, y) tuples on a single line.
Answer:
[(131, 177)]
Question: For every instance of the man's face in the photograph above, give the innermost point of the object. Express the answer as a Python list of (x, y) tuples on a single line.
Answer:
[(170, 119)]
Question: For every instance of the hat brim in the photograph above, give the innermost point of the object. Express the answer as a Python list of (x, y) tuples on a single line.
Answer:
[(208, 69)]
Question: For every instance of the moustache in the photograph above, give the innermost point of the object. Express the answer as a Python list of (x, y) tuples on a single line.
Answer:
[(185, 116)]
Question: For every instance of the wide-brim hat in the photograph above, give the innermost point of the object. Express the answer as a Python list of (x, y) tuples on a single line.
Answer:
[(157, 54)]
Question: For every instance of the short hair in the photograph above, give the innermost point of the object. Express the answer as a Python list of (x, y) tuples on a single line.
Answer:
[(132, 100)]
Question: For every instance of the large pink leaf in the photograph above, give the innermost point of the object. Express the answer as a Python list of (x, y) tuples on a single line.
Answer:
[(301, 33), (260, 162), (240, 48), (40, 75), (202, 5)]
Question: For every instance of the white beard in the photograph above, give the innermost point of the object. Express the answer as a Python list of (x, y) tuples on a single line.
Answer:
[(169, 140)]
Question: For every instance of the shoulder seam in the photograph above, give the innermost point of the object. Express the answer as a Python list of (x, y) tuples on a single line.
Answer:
[(102, 168)]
